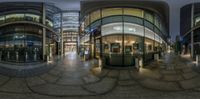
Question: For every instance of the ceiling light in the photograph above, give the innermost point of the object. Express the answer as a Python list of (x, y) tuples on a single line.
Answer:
[(117, 28)]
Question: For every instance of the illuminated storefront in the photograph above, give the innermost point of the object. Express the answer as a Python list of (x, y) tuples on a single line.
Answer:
[(27, 32), (120, 35)]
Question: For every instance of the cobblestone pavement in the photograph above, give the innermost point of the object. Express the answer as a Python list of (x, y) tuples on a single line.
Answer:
[(172, 77)]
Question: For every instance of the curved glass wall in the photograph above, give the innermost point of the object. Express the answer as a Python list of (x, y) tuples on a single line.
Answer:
[(122, 43), (150, 17), (122, 35), (22, 43)]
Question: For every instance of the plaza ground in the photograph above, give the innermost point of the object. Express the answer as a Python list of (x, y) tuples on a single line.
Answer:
[(172, 77)]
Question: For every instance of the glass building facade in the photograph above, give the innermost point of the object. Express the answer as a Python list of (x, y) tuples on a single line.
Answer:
[(22, 29), (190, 28), (119, 35), (70, 28)]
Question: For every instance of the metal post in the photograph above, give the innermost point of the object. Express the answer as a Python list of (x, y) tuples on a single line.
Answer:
[(192, 37), (44, 32)]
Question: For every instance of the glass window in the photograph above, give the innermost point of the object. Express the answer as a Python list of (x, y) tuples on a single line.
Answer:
[(149, 45), (133, 44), (149, 34), (112, 44), (32, 17), (148, 24), (95, 15), (96, 24), (131, 19), (157, 21), (130, 28), (14, 17), (157, 38), (157, 46), (156, 30), (133, 12), (197, 20), (112, 19), (2, 19), (111, 11), (148, 16), (57, 20), (87, 21), (49, 23), (113, 28), (70, 21)]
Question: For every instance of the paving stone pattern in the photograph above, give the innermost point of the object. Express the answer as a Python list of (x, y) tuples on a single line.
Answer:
[(172, 77)]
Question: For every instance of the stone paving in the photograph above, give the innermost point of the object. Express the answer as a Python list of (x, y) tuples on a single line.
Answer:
[(172, 77)]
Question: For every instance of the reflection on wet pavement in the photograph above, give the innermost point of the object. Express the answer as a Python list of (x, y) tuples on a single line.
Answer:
[(172, 75)]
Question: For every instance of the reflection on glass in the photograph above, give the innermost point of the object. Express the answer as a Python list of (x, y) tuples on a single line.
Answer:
[(149, 45), (111, 11), (2, 19), (32, 17), (57, 20), (21, 43), (95, 15), (133, 12), (197, 20)]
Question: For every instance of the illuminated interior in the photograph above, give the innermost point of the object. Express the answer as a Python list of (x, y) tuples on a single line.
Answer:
[(120, 35)]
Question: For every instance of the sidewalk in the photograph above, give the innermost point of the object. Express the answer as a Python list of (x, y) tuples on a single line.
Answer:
[(170, 78)]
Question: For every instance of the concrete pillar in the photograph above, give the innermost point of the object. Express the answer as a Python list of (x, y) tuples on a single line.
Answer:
[(44, 33)]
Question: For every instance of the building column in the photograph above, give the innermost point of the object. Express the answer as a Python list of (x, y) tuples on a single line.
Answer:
[(44, 56), (61, 36), (192, 32)]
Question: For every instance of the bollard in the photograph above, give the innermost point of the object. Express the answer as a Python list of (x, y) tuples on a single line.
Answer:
[(17, 56), (8, 55), (156, 57), (26, 56), (137, 63), (100, 62), (197, 59), (140, 62), (35, 56)]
